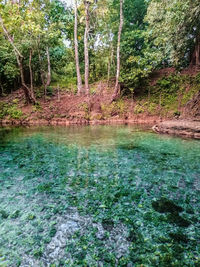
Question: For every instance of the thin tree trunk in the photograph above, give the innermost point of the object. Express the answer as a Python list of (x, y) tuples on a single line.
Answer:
[(195, 56), (87, 24), (198, 53), (109, 66), (79, 80), (30, 70), (29, 94), (58, 91), (10, 39), (116, 91), (192, 58), (48, 80), (2, 90), (41, 69), (110, 61), (45, 80)]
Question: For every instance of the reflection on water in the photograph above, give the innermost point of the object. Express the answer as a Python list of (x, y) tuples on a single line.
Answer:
[(107, 137), (79, 135)]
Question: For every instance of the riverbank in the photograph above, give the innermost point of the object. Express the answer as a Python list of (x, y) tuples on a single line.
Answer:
[(168, 97), (185, 128), (190, 129), (150, 120)]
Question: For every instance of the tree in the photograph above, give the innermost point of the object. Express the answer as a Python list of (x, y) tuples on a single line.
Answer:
[(176, 30), (138, 57), (8, 68), (86, 53), (29, 94), (118, 52), (79, 80)]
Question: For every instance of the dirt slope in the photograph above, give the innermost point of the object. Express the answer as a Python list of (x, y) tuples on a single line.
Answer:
[(63, 107)]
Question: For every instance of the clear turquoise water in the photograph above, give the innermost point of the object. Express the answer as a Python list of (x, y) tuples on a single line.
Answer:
[(111, 173)]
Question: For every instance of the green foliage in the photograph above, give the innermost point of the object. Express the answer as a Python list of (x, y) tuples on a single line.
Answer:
[(8, 69), (14, 112), (138, 109), (148, 42), (169, 95), (113, 109), (35, 26), (3, 110), (136, 58), (38, 253), (10, 110), (45, 187), (174, 30)]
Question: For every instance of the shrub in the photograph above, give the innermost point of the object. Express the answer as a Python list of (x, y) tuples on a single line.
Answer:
[(3, 110), (138, 109), (12, 110)]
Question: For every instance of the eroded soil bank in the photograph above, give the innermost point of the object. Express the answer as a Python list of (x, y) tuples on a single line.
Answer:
[(150, 120)]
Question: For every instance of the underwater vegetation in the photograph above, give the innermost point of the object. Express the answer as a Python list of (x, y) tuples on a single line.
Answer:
[(98, 196)]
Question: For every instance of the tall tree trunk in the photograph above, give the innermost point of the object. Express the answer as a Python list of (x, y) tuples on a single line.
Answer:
[(45, 78), (79, 80), (195, 55), (108, 75), (198, 53), (30, 70), (48, 78), (87, 25), (29, 94), (42, 74), (110, 61), (116, 91), (2, 90)]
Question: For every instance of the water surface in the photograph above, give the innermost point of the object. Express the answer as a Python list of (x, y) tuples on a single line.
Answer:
[(111, 176)]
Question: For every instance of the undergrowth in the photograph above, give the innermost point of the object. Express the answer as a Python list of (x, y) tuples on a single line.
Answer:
[(169, 96), (10, 110)]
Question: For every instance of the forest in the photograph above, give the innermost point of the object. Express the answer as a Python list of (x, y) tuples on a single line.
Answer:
[(66, 44)]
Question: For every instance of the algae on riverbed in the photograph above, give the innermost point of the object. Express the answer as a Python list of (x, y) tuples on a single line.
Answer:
[(85, 196)]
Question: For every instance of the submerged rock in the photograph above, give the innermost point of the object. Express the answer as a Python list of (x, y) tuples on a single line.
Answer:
[(179, 237), (165, 205), (108, 224), (133, 236), (4, 214), (15, 214), (168, 206), (127, 146), (178, 220)]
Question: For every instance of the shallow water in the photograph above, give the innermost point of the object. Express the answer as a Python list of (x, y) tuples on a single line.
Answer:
[(105, 179)]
